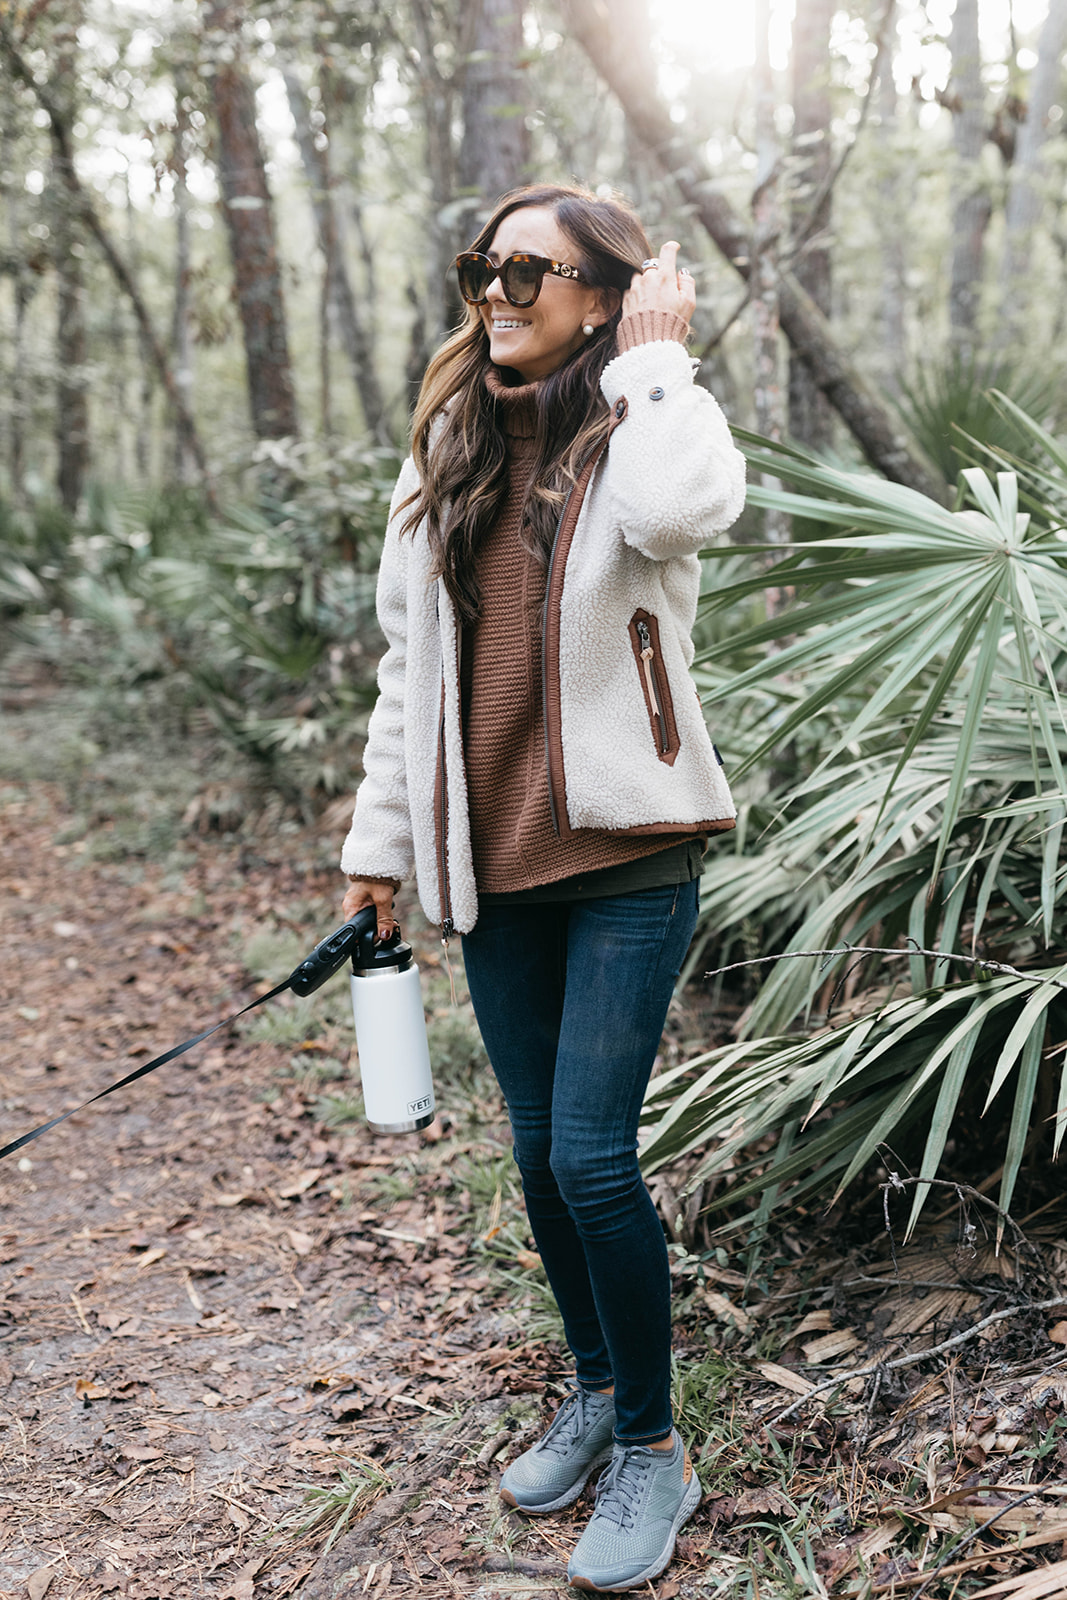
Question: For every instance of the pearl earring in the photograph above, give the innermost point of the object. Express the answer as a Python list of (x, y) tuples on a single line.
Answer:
[(588, 329)]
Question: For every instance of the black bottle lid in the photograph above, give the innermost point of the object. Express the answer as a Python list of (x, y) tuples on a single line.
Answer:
[(391, 956)]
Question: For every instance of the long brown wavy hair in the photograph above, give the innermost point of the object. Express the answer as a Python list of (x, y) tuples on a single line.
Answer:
[(463, 474)]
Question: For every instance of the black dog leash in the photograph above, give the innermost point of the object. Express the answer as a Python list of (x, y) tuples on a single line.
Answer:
[(312, 972)]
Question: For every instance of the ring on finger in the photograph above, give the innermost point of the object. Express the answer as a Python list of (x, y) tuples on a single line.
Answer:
[(653, 261)]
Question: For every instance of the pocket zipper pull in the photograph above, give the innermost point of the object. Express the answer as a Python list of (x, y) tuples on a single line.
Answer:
[(647, 656)]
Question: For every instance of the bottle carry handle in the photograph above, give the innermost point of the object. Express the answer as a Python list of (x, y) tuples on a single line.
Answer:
[(331, 953)]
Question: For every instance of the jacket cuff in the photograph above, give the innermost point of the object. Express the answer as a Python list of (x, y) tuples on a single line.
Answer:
[(659, 363), (370, 877), (645, 327)]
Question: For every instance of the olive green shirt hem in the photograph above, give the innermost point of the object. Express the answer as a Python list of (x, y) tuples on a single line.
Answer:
[(680, 862)]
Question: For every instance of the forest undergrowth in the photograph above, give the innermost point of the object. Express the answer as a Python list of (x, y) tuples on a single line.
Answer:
[(247, 1349)]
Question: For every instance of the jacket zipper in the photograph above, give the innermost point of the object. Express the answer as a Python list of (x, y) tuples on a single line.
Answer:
[(648, 656), (646, 644), (550, 629)]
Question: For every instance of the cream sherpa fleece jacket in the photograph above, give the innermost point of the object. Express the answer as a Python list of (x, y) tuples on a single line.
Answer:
[(626, 741)]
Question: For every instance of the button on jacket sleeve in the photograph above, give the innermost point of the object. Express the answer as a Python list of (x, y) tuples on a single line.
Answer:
[(677, 479), (380, 843)]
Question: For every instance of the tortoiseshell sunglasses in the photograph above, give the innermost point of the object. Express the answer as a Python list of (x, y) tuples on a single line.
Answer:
[(521, 276)]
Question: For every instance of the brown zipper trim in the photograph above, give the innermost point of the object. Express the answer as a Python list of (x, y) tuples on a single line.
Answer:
[(440, 819), (551, 693), (644, 639), (440, 803)]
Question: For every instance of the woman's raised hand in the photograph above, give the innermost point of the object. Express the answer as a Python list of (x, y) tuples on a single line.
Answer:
[(662, 287), (371, 892)]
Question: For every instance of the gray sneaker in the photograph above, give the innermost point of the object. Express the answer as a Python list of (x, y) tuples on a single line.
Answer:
[(641, 1501), (554, 1471)]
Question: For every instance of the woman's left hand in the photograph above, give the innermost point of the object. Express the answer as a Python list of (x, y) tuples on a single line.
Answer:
[(662, 287)]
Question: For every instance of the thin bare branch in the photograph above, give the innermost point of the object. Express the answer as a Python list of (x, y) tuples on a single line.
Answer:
[(844, 948), (717, 338)]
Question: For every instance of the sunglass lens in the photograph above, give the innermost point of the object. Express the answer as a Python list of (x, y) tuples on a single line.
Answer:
[(522, 277), (475, 276)]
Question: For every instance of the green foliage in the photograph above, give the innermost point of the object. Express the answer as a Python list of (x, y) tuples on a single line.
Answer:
[(338, 1110), (951, 407), (270, 953), (456, 1049), (702, 1391), (285, 1024), (844, 1092), (330, 1508), (261, 618), (389, 1188), (906, 704), (490, 1181), (500, 1226)]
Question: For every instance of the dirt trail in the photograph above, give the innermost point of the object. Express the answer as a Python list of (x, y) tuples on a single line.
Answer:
[(208, 1295)]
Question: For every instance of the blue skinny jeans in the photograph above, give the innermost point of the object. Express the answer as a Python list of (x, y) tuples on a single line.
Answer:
[(571, 999)]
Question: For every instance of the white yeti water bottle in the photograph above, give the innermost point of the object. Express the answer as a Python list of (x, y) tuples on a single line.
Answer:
[(394, 1057)]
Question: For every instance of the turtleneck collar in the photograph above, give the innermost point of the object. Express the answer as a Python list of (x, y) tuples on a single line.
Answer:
[(516, 403)]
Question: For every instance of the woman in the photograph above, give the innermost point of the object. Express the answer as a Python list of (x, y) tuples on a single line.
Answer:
[(539, 756)]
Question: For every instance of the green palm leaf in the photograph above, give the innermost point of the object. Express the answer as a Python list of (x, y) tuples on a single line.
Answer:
[(897, 734)]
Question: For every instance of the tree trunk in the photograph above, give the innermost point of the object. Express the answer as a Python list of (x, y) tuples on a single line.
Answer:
[(143, 430), (419, 351), (970, 202), (437, 93), (891, 230), (326, 311), (72, 402), (117, 414), (616, 42), (766, 239), (494, 153), (250, 225), (766, 267), (1025, 198), (366, 250), (358, 346), (181, 320), (72, 406), (23, 275), (810, 414)]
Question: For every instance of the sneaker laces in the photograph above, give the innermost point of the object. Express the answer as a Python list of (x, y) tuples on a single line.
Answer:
[(618, 1492), (568, 1424)]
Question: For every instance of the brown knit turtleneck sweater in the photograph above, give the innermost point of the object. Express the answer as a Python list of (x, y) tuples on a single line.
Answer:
[(515, 846)]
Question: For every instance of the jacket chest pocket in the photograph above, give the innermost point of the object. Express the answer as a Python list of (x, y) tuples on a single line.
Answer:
[(644, 640)]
